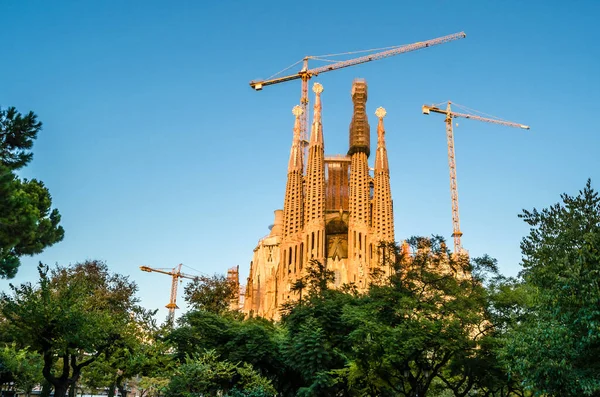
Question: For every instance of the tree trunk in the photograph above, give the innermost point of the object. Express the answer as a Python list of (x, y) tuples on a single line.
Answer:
[(46, 389), (60, 388), (111, 390), (122, 389)]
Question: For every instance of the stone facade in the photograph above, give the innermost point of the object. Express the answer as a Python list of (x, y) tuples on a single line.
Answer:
[(336, 212)]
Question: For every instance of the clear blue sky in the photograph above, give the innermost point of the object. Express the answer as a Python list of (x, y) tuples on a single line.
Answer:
[(157, 152)]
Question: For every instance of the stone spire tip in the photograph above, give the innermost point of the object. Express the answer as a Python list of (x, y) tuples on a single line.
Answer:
[(317, 88), (297, 110), (380, 113)]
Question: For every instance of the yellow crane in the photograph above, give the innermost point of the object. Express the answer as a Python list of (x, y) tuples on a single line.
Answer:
[(305, 73), (176, 274), (456, 232)]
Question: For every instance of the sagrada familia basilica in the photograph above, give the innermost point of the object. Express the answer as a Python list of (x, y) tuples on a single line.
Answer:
[(334, 211)]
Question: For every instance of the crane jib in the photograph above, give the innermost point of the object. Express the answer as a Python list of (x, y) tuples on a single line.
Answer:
[(259, 84)]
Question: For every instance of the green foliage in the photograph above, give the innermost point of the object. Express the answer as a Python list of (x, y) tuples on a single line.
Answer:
[(315, 343), (211, 294), (258, 392), (555, 346), (254, 341), (318, 277), (28, 223), (144, 356), (424, 322), (407, 331), (152, 386), (207, 375), (74, 315), (17, 133), (20, 366)]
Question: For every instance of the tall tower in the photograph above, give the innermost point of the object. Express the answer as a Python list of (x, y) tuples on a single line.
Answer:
[(293, 206), (383, 213), (314, 211), (359, 219)]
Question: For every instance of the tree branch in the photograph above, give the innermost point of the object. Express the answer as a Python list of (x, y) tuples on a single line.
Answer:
[(48, 364)]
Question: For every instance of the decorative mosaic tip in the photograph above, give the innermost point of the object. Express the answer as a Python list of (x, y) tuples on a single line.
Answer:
[(297, 110), (317, 88), (380, 112)]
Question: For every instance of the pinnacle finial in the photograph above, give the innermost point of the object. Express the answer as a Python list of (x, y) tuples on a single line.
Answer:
[(317, 88), (297, 110), (380, 112)]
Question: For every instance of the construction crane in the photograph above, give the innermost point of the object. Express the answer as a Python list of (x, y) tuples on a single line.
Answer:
[(305, 73), (176, 274), (456, 233)]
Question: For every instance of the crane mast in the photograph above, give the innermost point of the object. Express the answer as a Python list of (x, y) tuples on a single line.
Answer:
[(176, 274), (456, 232), (305, 74)]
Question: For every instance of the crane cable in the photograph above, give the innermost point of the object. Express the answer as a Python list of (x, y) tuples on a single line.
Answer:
[(283, 70), (323, 59), (196, 270), (437, 105), (167, 269), (477, 111), (468, 109), (359, 51)]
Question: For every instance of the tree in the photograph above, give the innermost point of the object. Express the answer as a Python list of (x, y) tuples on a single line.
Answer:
[(423, 322), (315, 342), (212, 294), (27, 222), (265, 345), (207, 375), (555, 346), (480, 370), (254, 341), (73, 316), (146, 355), (150, 386), (20, 367), (429, 315)]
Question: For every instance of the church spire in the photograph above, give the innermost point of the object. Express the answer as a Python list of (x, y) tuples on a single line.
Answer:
[(314, 211), (293, 205), (293, 202), (381, 159), (316, 133), (296, 151), (359, 217), (383, 215), (360, 135)]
